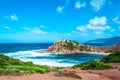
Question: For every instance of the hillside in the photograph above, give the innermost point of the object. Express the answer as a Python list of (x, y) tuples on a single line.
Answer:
[(11, 66), (115, 47), (68, 46)]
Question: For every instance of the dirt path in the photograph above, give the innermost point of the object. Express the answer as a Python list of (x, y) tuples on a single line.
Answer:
[(112, 74), (50, 76)]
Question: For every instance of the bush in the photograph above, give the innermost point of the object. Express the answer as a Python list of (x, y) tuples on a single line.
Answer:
[(12, 66), (69, 46), (114, 57), (93, 65), (5, 60), (81, 49)]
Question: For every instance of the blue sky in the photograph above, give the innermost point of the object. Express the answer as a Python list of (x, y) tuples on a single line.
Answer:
[(51, 20)]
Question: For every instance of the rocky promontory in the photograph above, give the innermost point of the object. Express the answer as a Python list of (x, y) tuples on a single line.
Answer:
[(69, 46)]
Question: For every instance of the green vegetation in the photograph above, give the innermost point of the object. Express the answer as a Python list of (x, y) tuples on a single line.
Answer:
[(100, 65), (81, 49), (89, 49), (70, 46), (71, 76), (93, 65), (10, 66), (114, 57), (76, 42)]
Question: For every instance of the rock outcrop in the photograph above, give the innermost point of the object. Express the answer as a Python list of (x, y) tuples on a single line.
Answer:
[(68, 46)]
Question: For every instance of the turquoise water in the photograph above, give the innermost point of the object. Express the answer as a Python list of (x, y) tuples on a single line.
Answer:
[(26, 52), (62, 60)]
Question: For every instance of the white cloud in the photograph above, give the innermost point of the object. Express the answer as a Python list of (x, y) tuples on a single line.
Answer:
[(98, 21), (79, 5), (60, 9), (81, 28), (83, 34), (97, 4), (35, 30), (116, 20), (38, 31), (42, 26), (68, 34), (26, 28), (98, 32), (7, 27), (112, 30), (119, 27), (12, 17), (97, 25), (109, 34)]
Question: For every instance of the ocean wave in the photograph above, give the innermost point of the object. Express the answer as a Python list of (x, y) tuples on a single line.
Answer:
[(62, 60)]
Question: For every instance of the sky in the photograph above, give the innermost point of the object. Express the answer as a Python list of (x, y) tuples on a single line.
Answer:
[(40, 21)]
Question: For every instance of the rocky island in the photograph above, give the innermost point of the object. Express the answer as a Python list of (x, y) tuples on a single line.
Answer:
[(69, 46)]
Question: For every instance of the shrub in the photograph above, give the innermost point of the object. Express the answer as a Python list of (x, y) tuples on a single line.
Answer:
[(81, 49), (114, 57), (93, 65), (12, 66), (70, 46)]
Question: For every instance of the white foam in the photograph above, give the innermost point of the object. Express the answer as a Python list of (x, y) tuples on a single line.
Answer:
[(43, 58), (23, 55), (49, 62), (27, 53)]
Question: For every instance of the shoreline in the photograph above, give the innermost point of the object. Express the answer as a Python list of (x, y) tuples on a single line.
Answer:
[(96, 53), (45, 52)]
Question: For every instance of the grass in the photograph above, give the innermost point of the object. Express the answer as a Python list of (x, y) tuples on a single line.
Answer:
[(114, 57), (93, 65), (10, 66)]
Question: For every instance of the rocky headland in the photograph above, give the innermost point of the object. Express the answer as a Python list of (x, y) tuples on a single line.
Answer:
[(68, 46)]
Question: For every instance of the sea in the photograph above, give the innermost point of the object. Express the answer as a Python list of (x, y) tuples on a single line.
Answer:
[(27, 52)]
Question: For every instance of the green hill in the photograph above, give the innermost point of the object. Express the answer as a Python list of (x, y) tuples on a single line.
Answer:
[(10, 66), (112, 58)]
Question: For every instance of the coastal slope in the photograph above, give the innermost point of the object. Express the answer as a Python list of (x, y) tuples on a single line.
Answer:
[(69, 46)]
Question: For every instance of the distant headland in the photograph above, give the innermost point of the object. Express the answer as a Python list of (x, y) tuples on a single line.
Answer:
[(69, 46)]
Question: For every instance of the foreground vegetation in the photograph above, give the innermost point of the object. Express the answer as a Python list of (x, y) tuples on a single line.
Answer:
[(10, 66), (114, 57), (93, 65)]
